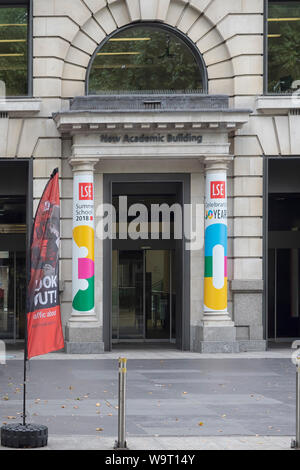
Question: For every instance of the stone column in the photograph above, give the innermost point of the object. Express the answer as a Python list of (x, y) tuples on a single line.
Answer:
[(84, 332), (217, 333)]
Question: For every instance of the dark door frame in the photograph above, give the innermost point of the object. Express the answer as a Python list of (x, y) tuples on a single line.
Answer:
[(18, 242), (266, 180), (183, 329), (144, 251)]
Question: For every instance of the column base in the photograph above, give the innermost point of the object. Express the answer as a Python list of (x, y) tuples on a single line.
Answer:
[(96, 347), (214, 337), (220, 339), (84, 338), (253, 345), (215, 347)]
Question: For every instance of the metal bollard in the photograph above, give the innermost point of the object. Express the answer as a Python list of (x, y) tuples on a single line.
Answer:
[(121, 443), (296, 442)]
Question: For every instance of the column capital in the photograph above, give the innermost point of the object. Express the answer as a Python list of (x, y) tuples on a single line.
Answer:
[(83, 164), (217, 162)]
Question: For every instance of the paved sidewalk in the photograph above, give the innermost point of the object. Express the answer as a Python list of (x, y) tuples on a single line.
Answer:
[(175, 400), (137, 443), (148, 353)]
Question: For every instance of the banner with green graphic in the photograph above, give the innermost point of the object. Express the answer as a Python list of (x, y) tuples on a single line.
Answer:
[(215, 277), (83, 244)]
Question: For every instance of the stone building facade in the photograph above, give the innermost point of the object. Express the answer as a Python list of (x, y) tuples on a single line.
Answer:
[(234, 132)]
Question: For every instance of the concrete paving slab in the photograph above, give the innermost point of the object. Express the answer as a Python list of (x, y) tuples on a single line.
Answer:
[(167, 399), (168, 443)]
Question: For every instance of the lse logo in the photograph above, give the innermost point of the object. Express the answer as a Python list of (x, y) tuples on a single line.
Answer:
[(217, 190), (85, 191)]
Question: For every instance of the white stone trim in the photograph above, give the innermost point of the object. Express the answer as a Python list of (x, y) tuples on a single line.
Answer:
[(20, 106), (277, 104)]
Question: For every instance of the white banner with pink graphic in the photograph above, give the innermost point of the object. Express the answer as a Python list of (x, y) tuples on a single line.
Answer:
[(83, 243)]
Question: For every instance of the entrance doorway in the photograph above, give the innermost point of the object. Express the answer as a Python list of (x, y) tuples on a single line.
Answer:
[(146, 286), (15, 220), (283, 253), (144, 298), (284, 321)]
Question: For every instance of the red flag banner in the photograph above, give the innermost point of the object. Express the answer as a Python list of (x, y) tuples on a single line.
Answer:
[(44, 329)]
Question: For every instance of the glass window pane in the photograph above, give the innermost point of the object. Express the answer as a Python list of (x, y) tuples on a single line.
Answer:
[(12, 210), (115, 295), (131, 317), (21, 285), (158, 299), (14, 50), (7, 295), (145, 58), (283, 46)]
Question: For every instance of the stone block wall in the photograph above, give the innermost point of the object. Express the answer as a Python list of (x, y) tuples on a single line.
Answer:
[(229, 34), (230, 37)]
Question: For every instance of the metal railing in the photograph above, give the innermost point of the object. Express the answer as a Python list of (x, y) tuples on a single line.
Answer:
[(121, 442), (296, 356)]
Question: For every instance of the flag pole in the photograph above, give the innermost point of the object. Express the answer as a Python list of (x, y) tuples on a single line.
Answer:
[(25, 332), (28, 265), (25, 376), (28, 268), (23, 435)]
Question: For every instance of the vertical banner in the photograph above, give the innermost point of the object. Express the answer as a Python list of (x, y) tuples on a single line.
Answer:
[(215, 278), (83, 244), (44, 330)]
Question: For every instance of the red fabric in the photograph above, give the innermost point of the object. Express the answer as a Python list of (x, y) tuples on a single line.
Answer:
[(44, 329), (44, 332)]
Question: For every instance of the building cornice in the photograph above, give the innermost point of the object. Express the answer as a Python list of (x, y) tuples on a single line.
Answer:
[(142, 112), (20, 106), (278, 104)]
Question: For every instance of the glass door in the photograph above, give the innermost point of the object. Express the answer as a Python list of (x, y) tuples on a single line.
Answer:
[(7, 295), (143, 296), (128, 308), (283, 294), (157, 292), (20, 293), (12, 294)]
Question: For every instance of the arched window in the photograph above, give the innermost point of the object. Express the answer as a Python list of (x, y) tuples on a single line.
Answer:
[(146, 57)]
